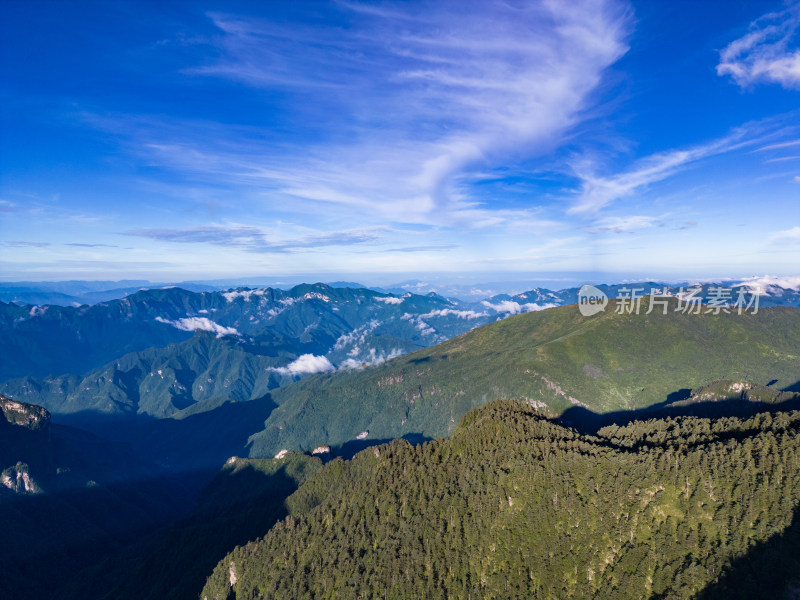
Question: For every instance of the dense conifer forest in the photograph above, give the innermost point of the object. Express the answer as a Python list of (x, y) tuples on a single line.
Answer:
[(517, 506)]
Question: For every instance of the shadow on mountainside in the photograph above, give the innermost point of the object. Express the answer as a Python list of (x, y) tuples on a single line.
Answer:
[(84, 541), (199, 441), (795, 387), (174, 562), (770, 569), (349, 449), (589, 422), (49, 538)]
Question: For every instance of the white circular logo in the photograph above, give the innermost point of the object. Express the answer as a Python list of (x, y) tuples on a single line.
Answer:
[(591, 300)]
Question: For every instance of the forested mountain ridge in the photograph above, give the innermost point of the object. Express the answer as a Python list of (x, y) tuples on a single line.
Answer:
[(159, 351), (556, 360), (53, 340), (158, 382), (516, 506), (776, 291), (191, 347)]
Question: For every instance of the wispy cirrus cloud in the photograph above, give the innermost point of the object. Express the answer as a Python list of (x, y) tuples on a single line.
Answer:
[(21, 244), (623, 224), (780, 146), (598, 191), (255, 239), (424, 248), (7, 207), (769, 52), (213, 234), (423, 99), (480, 134), (782, 159)]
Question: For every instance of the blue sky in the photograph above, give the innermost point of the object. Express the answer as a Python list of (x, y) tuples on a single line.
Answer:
[(198, 140)]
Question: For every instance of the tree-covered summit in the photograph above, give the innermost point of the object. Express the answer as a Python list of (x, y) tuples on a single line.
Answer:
[(514, 505)]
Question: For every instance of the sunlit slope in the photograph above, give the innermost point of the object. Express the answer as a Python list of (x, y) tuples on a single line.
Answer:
[(553, 359), (516, 506)]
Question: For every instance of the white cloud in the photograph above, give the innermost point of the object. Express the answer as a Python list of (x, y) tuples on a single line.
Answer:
[(199, 323), (624, 224), (423, 327), (598, 191), (372, 360), (767, 53), (766, 281), (462, 90), (780, 146), (461, 314), (389, 299), (255, 239), (419, 323), (308, 296), (357, 336), (246, 294), (515, 308), (305, 365), (789, 235)]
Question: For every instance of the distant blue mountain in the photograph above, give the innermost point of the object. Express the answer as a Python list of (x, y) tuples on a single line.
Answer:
[(162, 351)]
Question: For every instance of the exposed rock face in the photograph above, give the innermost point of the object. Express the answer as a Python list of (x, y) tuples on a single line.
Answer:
[(19, 480), (727, 390), (24, 415), (24, 442)]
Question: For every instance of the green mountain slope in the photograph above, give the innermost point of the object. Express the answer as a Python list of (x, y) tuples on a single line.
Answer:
[(515, 506), (554, 359), (137, 355), (309, 318), (158, 382), (245, 342)]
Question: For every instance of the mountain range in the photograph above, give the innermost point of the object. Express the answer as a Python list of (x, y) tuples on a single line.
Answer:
[(160, 389), (175, 348), (157, 352), (556, 360)]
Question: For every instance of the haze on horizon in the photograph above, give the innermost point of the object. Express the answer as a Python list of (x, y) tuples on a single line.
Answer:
[(203, 140)]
